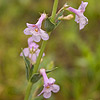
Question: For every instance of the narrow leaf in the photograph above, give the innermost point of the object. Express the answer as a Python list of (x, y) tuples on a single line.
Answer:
[(27, 62), (48, 71)]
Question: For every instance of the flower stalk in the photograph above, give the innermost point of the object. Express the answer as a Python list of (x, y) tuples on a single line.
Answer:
[(39, 57), (29, 87), (54, 10), (28, 90)]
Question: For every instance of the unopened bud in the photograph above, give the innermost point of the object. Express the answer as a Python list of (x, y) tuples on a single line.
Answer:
[(68, 17), (65, 5), (41, 59), (61, 17)]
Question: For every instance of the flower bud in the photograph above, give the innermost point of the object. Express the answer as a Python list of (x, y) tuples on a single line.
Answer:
[(68, 17), (65, 5)]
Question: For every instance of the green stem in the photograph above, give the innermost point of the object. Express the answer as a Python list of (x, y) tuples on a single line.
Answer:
[(28, 90), (29, 87), (54, 10), (40, 56)]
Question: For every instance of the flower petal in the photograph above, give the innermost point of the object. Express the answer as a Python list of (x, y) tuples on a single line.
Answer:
[(37, 52), (34, 58), (47, 89), (55, 88), (39, 23), (73, 10), (44, 35), (47, 94), (77, 19), (83, 22), (25, 51), (30, 40), (30, 25), (36, 33), (43, 54), (51, 80), (36, 38), (27, 31), (41, 92), (33, 45), (83, 6)]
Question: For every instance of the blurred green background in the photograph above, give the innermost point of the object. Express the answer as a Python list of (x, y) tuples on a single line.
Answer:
[(76, 53)]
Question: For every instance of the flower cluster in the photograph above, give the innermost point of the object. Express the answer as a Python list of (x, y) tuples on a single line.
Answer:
[(36, 33), (32, 52)]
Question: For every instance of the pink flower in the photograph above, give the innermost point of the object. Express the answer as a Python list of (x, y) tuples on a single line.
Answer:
[(32, 52), (36, 31), (48, 85), (80, 18)]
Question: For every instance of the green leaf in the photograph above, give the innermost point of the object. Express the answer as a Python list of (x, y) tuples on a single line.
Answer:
[(31, 70), (48, 71), (27, 62), (50, 65), (58, 21), (29, 67), (49, 26), (35, 77)]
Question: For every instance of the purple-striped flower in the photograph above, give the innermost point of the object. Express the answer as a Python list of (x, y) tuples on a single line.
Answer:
[(80, 18), (48, 85), (32, 52), (36, 31)]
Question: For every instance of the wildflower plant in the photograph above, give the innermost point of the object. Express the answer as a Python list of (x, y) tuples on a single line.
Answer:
[(33, 56)]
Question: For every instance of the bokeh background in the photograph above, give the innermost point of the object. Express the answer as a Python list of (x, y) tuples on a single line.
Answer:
[(75, 53)]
